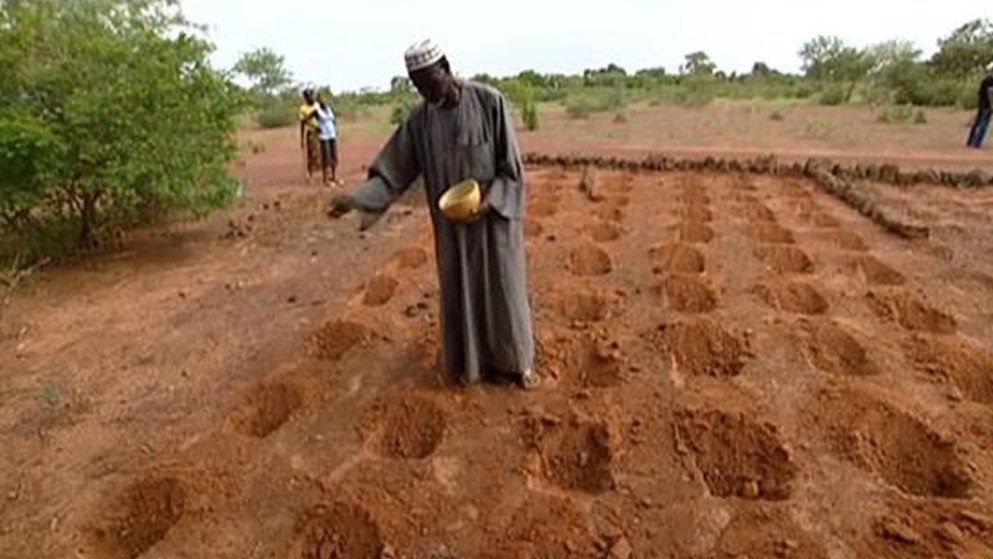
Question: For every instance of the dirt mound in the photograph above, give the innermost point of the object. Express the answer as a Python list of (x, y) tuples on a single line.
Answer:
[(543, 208), (876, 273), (911, 313), (756, 212), (833, 350), (583, 307), (380, 290), (140, 518), (601, 365), (695, 212), (609, 213), (544, 527), (577, 456), (533, 228), (799, 298), (901, 449), (604, 232), (688, 294), (590, 260), (338, 531), (692, 197), (846, 240), (969, 369), (930, 528), (827, 221), (693, 232), (678, 258), (588, 361), (785, 259), (738, 457), (620, 201), (409, 427), (767, 533), (704, 348), (334, 339), (265, 408), (771, 233), (411, 258)]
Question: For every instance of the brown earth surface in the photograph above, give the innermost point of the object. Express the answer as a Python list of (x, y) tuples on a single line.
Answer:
[(734, 366)]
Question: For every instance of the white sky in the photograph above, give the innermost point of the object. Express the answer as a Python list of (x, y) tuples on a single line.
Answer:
[(348, 45)]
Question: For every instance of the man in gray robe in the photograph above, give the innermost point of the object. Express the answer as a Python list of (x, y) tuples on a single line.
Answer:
[(463, 130)]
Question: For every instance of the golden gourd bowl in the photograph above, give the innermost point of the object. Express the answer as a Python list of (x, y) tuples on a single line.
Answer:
[(461, 202)]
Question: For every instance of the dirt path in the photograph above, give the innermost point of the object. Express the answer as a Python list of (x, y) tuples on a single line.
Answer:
[(735, 366)]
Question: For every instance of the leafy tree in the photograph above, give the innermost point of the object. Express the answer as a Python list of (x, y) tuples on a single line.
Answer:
[(966, 51), (830, 59), (110, 114), (761, 70), (401, 85), (698, 64), (265, 69)]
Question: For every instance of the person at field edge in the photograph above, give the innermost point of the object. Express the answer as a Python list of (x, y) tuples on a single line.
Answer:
[(463, 130), (327, 136), (985, 110), (310, 132)]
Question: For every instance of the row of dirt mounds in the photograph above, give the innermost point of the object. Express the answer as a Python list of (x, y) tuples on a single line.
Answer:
[(773, 414)]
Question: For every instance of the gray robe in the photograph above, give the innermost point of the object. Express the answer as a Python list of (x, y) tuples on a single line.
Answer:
[(486, 315)]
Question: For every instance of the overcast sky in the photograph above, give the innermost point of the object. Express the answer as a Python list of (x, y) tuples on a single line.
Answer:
[(349, 45)]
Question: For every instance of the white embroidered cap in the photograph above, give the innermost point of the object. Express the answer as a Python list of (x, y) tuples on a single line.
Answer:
[(423, 54)]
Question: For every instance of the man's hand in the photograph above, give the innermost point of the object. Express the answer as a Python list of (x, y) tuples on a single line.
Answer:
[(340, 205)]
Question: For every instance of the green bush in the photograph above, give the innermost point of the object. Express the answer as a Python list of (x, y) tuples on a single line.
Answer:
[(899, 114), (529, 114), (596, 100), (276, 116), (402, 110), (111, 115), (833, 94)]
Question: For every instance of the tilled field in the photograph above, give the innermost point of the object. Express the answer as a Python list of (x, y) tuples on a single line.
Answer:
[(734, 366)]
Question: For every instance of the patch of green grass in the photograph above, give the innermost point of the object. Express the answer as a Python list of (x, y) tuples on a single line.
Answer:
[(52, 395)]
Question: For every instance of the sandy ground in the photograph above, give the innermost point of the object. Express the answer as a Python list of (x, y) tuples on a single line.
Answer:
[(735, 366)]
